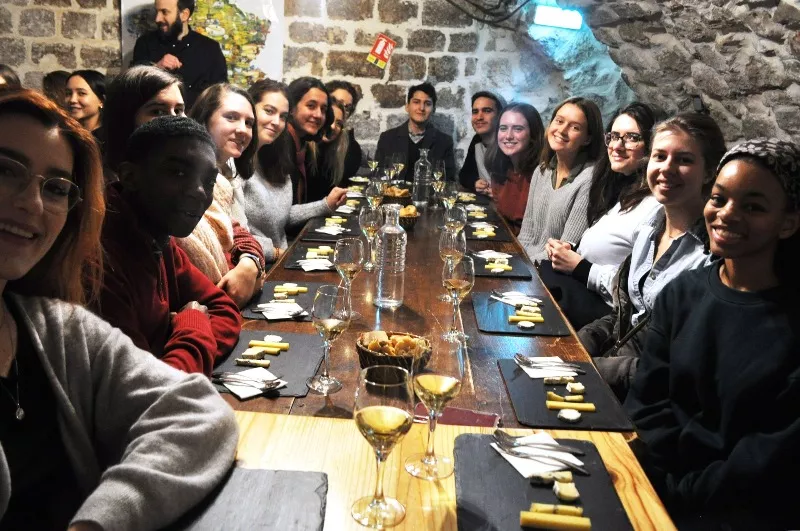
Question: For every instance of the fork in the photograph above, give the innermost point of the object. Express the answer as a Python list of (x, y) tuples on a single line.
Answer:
[(513, 441), (532, 363), (545, 459)]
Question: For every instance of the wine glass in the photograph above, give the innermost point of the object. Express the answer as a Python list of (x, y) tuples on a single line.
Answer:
[(348, 257), (384, 412), (370, 219), (374, 193), (452, 247), (458, 278), (450, 194), (455, 218), (331, 317), (438, 170), (399, 162), (436, 385), (438, 182), (372, 163)]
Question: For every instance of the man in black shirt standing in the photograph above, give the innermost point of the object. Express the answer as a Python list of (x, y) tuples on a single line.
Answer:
[(173, 46)]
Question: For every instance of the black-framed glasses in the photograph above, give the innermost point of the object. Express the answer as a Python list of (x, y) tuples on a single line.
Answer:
[(58, 194), (631, 140)]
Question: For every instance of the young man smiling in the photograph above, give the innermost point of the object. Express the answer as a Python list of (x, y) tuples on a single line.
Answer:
[(486, 107), (151, 290), (175, 47), (418, 133)]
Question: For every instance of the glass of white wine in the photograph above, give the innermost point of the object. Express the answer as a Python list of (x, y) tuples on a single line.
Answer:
[(348, 258), (458, 278), (372, 163), (331, 317), (450, 194), (370, 219), (436, 385), (455, 218), (438, 182), (452, 247), (399, 162), (383, 413), (374, 193)]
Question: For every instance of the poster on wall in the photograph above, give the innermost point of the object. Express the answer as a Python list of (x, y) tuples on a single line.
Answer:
[(250, 33)]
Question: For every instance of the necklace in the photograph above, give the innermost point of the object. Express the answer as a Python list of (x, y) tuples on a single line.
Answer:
[(19, 414)]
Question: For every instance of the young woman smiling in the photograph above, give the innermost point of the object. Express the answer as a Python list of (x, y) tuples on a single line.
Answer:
[(85, 97), (715, 399), (513, 156), (619, 200), (267, 196), (684, 152), (221, 246), (94, 432), (559, 191)]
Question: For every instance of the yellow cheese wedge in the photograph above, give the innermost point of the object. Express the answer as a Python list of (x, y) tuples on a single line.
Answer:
[(558, 522), (532, 318), (494, 265), (577, 406), (568, 510), (268, 344)]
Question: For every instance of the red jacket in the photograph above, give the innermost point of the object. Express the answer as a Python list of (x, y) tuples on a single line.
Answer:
[(143, 285)]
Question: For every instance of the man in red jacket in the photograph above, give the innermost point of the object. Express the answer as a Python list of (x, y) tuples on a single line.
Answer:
[(151, 290)]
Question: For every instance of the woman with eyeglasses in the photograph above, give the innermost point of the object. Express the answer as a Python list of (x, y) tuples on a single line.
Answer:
[(619, 200), (94, 432)]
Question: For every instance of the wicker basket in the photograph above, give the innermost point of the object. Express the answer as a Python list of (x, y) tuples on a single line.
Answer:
[(394, 200), (368, 358), (408, 222)]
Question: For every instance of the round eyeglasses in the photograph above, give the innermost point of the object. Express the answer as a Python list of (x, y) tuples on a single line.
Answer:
[(58, 194), (630, 140)]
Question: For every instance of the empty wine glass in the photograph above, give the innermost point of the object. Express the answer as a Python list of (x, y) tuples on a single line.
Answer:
[(348, 257), (370, 219), (452, 247), (455, 218), (331, 316), (383, 413), (458, 278), (436, 385)]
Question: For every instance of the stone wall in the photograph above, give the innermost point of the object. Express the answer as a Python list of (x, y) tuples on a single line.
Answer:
[(742, 56), (39, 36)]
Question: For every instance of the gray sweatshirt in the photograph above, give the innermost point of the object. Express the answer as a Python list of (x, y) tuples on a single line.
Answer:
[(146, 441), (269, 211), (559, 214)]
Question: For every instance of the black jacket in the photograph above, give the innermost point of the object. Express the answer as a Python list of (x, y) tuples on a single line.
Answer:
[(438, 144), (469, 175), (203, 62)]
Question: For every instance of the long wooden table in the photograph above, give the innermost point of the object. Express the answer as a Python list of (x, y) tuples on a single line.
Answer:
[(422, 314), (335, 446)]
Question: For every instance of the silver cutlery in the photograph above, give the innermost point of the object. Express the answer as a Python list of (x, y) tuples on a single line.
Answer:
[(540, 363), (517, 441), (545, 459), (237, 379)]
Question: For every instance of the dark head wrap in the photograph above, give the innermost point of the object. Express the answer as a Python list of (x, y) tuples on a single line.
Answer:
[(778, 156)]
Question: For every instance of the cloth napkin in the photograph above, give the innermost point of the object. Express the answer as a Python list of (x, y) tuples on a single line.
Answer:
[(344, 209), (333, 230), (489, 254), (279, 310), (315, 264), (529, 467), (243, 392), (550, 371)]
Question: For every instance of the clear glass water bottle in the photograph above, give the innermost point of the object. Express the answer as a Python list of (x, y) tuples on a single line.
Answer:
[(391, 258), (423, 170)]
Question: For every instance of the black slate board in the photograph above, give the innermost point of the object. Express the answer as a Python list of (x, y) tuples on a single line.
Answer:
[(303, 299), (519, 269), (351, 223), (528, 396), (261, 499), (295, 366), (501, 233), (490, 493), (492, 316), (299, 253)]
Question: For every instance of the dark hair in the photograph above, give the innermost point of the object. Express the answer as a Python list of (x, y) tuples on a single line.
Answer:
[(297, 89), (336, 151), (499, 102), (72, 269), (704, 130), (95, 80), (346, 85), (150, 136), (207, 104), (274, 160), (594, 122), (186, 4), (54, 84), (499, 162), (426, 87), (10, 77), (609, 186), (126, 95)]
